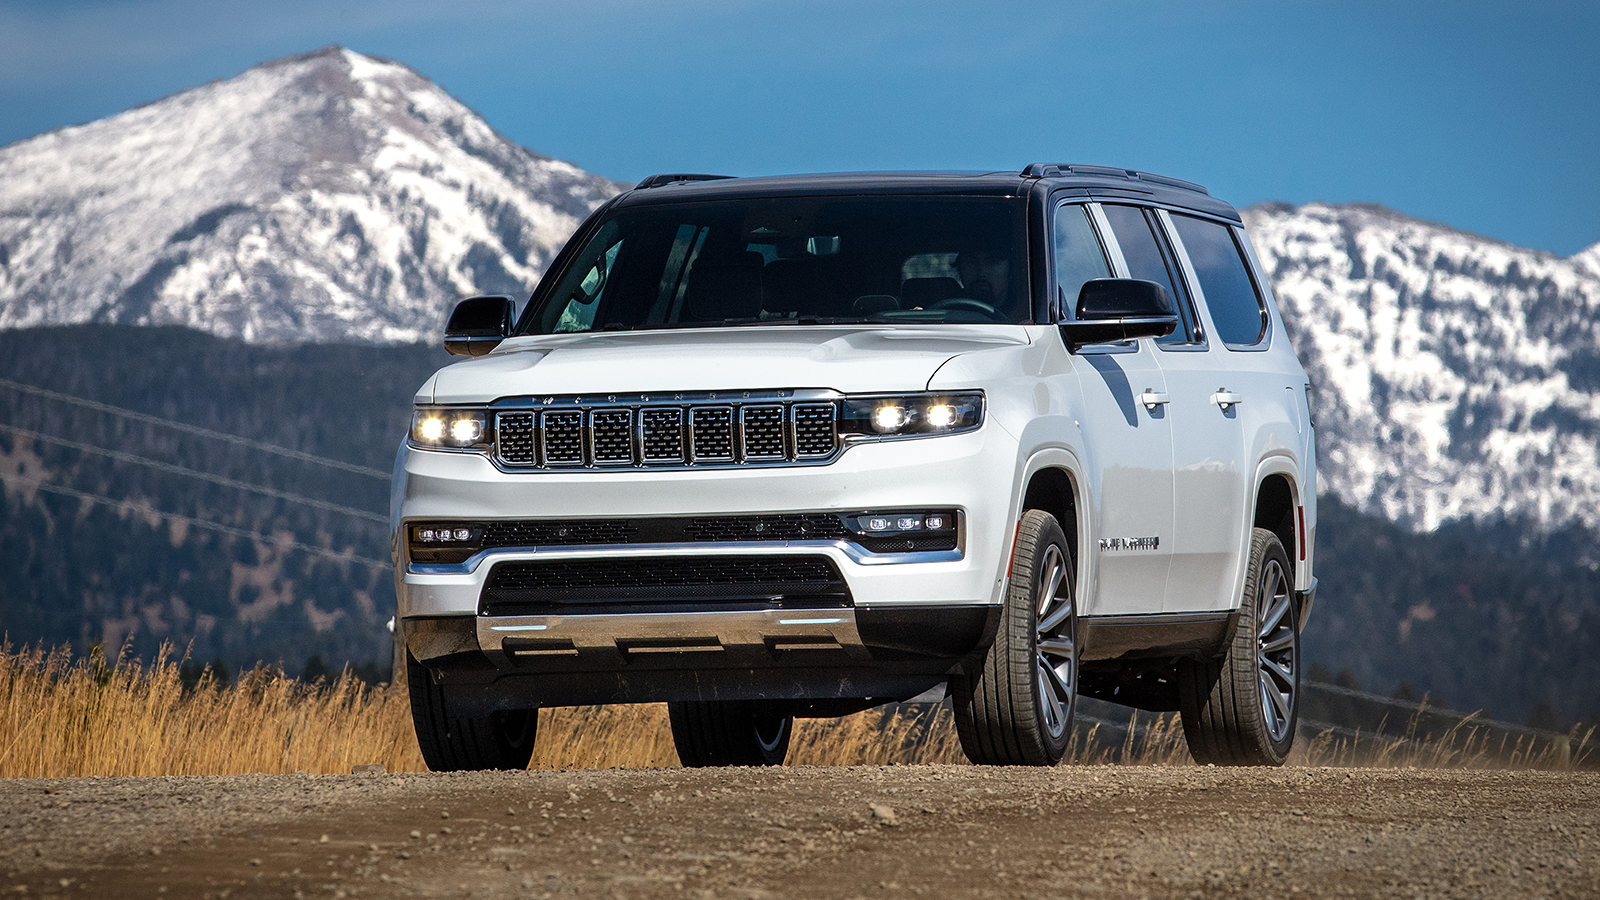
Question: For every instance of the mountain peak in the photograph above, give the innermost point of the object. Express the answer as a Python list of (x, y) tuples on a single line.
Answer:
[(325, 196)]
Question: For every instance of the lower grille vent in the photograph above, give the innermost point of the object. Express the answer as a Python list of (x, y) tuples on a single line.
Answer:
[(547, 587)]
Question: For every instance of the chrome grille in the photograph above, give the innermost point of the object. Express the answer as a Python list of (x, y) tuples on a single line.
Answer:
[(614, 433)]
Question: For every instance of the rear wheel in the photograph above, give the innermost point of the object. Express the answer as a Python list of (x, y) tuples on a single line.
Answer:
[(1015, 707), (729, 733), (451, 743), (1241, 710)]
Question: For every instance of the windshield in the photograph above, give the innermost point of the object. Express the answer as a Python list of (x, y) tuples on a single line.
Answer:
[(796, 260)]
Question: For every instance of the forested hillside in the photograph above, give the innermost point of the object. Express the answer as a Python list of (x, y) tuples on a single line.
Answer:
[(1484, 615)]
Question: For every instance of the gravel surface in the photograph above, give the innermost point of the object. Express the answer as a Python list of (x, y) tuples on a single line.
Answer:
[(905, 831)]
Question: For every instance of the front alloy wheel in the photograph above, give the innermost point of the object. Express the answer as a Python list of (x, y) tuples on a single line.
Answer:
[(1014, 706)]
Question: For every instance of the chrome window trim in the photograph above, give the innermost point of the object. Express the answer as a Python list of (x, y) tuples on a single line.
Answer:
[(1186, 271)]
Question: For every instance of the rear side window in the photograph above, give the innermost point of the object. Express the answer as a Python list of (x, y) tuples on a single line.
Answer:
[(1149, 259), (1224, 279), (1079, 256)]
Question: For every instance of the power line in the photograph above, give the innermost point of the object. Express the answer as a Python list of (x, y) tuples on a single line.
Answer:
[(192, 429), (203, 476), (1420, 707), (197, 523)]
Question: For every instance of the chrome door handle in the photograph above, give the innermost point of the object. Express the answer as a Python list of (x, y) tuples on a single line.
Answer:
[(1152, 399), (1226, 398)]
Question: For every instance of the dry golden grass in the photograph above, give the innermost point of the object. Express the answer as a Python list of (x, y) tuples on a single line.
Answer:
[(61, 716)]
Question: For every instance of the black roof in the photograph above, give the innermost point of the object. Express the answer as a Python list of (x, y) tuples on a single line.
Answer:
[(1098, 182)]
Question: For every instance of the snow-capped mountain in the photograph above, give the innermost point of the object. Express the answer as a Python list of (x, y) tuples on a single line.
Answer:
[(1456, 376), (338, 197), (330, 196)]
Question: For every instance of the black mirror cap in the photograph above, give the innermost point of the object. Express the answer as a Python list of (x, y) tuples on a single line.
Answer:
[(479, 324), (1119, 309)]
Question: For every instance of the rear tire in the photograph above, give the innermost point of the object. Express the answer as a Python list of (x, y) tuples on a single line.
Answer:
[(729, 733), (1015, 706), (1242, 709), (450, 743)]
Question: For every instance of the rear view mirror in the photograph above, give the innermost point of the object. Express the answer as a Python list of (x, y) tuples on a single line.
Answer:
[(479, 324), (1119, 309)]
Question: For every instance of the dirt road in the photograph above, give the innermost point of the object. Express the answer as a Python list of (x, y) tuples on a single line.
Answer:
[(944, 831)]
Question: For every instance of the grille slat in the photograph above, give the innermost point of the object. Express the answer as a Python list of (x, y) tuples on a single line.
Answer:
[(761, 431), (712, 433), (661, 435), (611, 431), (562, 436), (613, 435), (517, 438)]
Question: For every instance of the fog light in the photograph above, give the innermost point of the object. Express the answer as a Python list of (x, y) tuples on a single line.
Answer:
[(908, 523), (877, 524), (427, 534), (935, 522)]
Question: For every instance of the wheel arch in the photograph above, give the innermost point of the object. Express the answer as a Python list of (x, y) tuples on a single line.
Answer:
[(1277, 506)]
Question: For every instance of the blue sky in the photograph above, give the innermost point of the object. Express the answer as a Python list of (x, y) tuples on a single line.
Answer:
[(1485, 116)]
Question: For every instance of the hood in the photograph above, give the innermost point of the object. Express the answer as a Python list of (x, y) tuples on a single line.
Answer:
[(845, 358)]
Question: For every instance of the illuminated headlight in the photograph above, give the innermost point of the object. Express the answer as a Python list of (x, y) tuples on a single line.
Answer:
[(916, 414), (454, 428)]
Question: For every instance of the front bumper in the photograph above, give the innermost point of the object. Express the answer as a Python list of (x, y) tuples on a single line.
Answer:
[(910, 620)]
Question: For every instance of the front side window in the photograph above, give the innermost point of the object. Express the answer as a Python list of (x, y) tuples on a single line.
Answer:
[(1236, 308), (1078, 256), (800, 260), (1148, 259)]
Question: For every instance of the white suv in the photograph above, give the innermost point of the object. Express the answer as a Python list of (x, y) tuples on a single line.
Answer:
[(775, 447)]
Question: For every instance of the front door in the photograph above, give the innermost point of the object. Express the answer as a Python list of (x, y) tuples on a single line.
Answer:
[(1127, 436)]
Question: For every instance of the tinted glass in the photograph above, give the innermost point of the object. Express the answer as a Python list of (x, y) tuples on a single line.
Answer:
[(1148, 260), (1079, 256), (796, 260), (1224, 279)]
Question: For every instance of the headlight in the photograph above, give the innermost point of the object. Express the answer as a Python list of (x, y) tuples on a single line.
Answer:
[(452, 428), (914, 414)]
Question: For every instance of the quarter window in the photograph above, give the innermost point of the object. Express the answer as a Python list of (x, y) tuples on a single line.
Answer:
[(1079, 256), (1219, 266), (1149, 259)]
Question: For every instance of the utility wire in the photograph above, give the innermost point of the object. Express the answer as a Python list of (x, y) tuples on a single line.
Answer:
[(1419, 707), (203, 476), (197, 523), (193, 429)]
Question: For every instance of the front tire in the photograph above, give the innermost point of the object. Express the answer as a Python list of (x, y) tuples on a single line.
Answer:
[(450, 743), (1242, 709), (729, 733), (1016, 705)]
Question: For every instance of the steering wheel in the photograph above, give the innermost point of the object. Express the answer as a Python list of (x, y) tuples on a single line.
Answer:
[(968, 303)]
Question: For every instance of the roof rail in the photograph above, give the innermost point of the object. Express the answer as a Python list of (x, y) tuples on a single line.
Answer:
[(674, 178), (1058, 170)]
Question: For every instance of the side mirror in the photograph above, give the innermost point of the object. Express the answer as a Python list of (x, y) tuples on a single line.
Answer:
[(1119, 309), (479, 324)]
